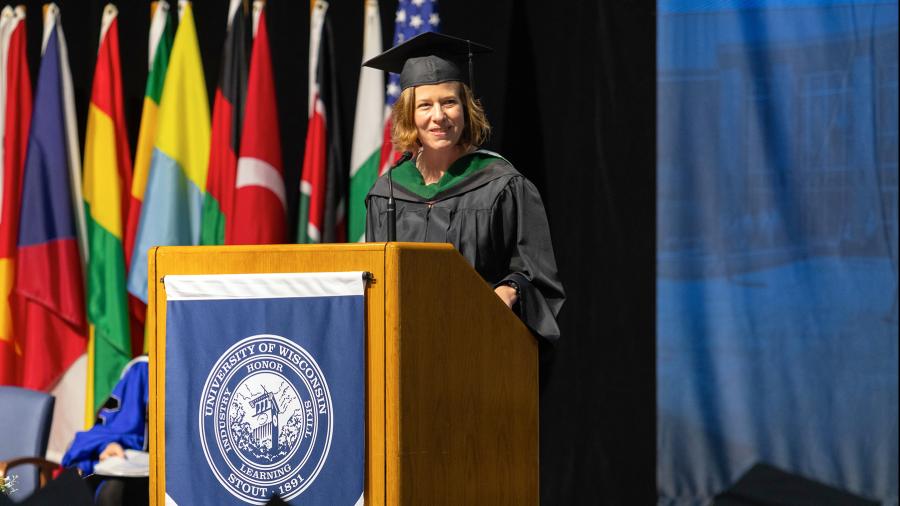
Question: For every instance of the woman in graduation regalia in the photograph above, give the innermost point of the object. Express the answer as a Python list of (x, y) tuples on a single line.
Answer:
[(447, 189)]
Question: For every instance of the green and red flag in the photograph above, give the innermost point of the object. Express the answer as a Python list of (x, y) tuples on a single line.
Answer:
[(322, 184), (106, 184), (227, 120)]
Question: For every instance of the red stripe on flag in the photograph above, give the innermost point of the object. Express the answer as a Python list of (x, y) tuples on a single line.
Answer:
[(15, 139), (131, 225), (137, 310), (315, 165), (8, 363), (388, 155), (222, 158), (15, 146)]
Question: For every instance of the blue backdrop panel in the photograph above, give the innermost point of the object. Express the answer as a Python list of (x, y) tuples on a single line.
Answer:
[(777, 244), (265, 396)]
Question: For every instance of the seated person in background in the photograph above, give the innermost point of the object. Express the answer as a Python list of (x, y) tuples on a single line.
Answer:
[(121, 425)]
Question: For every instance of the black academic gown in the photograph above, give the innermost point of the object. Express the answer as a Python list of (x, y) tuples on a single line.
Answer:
[(495, 219)]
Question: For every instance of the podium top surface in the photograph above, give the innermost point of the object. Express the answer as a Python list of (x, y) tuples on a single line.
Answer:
[(359, 246)]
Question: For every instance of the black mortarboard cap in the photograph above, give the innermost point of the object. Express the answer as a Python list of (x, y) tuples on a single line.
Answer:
[(430, 58)]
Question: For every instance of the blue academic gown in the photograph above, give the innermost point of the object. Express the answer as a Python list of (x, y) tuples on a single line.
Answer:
[(123, 420)]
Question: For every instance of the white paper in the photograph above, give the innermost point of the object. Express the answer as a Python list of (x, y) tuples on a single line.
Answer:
[(135, 463)]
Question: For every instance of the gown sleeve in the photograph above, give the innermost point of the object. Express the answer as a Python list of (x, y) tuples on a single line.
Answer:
[(123, 421), (532, 265), (375, 231)]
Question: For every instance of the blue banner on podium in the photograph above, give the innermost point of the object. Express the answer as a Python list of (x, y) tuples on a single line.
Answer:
[(265, 388)]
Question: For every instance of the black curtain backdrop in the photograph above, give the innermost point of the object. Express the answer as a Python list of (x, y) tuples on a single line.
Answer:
[(570, 90)]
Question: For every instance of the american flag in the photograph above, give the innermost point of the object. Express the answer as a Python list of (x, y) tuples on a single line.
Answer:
[(413, 17)]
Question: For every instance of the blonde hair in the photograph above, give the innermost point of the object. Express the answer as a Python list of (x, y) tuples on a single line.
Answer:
[(405, 137)]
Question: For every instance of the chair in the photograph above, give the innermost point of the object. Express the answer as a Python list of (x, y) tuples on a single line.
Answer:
[(25, 417)]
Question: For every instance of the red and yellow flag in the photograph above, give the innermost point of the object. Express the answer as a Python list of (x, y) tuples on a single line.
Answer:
[(15, 119)]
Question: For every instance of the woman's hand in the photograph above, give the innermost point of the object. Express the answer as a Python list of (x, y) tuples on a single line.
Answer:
[(112, 450), (507, 294)]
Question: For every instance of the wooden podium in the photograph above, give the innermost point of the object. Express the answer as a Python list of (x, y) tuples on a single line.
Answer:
[(451, 379)]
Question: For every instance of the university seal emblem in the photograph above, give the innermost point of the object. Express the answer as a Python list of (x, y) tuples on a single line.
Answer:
[(266, 419)]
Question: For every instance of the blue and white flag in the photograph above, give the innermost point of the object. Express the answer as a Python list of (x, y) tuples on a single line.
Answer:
[(265, 388)]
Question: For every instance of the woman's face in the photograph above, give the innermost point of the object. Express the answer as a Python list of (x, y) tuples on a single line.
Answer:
[(439, 115)]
